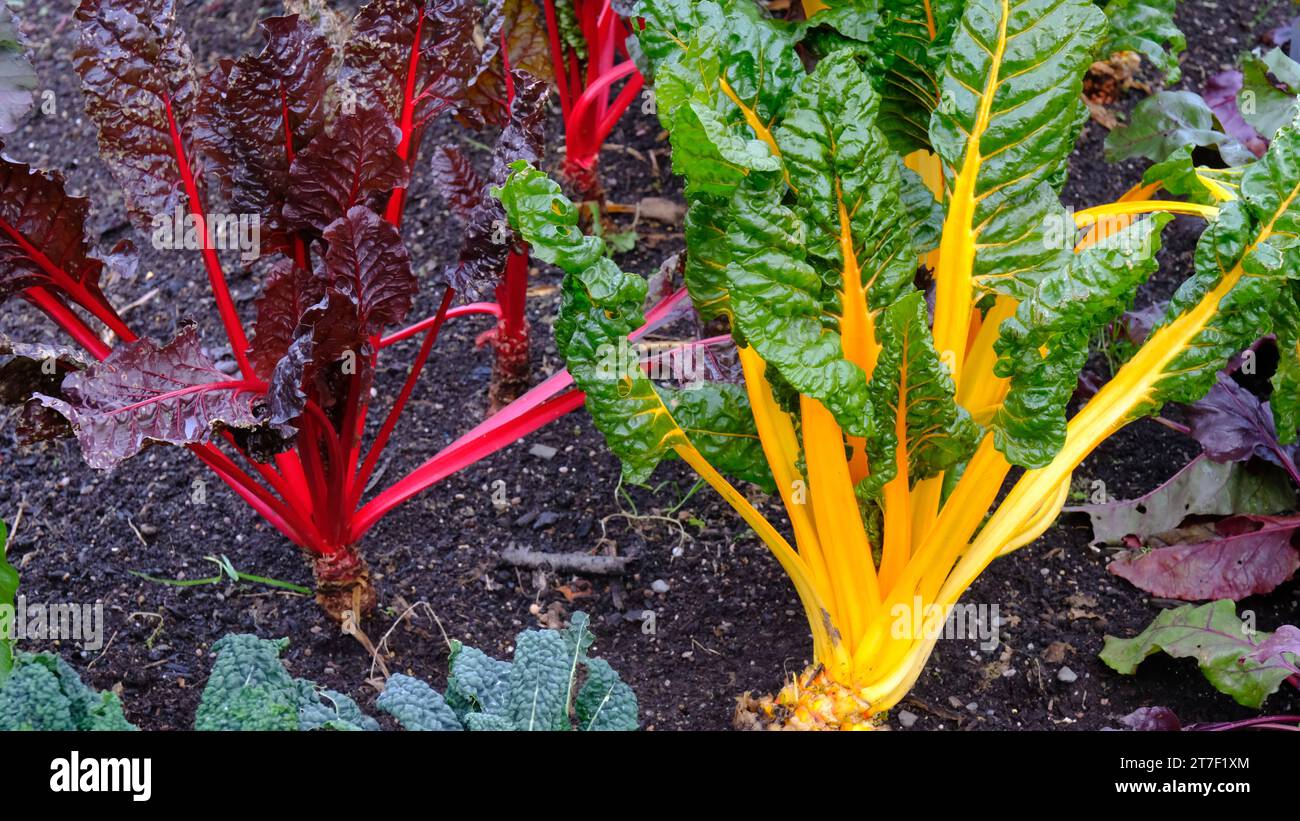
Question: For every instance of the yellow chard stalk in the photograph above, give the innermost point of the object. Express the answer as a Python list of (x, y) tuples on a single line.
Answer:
[(888, 435)]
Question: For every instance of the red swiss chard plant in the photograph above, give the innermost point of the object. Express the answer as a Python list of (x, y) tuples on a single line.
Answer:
[(315, 146), (590, 59)]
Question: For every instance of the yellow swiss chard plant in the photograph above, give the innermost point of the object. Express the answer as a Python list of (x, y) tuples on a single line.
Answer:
[(889, 423)]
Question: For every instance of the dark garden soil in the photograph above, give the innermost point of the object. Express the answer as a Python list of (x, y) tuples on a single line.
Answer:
[(725, 618)]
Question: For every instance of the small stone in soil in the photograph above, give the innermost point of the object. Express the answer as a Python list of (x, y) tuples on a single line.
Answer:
[(543, 451), (526, 519), (1067, 675), (546, 520), (906, 718), (659, 586)]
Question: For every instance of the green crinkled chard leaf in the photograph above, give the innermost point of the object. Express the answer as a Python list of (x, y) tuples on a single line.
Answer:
[(1146, 27), (850, 24), (940, 433), (717, 67), (1045, 345), (532, 207), (605, 702), (912, 41), (1180, 176), (416, 705), (1025, 63), (717, 419), (781, 307), (1214, 636), (600, 306), (1240, 279), (924, 219), (839, 162), (708, 253)]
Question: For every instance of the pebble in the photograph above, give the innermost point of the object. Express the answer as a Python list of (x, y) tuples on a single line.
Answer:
[(907, 718), (543, 451), (546, 520), (1067, 675), (659, 586)]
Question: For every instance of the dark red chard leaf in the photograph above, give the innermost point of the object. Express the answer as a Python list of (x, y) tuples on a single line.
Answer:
[(1232, 425), (27, 369), (455, 178), (42, 236), (483, 251), (333, 174), (367, 266), (144, 393), (288, 293), (282, 346), (523, 27), (138, 77), (256, 114), (1243, 556), (427, 46)]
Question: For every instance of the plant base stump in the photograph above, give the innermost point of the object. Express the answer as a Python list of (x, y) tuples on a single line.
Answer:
[(343, 585), (812, 701)]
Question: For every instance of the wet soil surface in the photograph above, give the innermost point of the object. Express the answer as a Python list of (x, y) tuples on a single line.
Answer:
[(725, 618)]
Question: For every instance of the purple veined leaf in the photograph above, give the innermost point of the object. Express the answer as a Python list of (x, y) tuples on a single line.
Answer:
[(460, 185), (137, 74), (1248, 555), (1202, 488), (1231, 424), (1152, 719), (483, 251), (42, 236), (257, 113), (1283, 645), (144, 393), (17, 80), (1220, 95), (336, 172), (392, 37)]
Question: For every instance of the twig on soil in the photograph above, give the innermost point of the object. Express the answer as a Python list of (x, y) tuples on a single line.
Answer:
[(383, 640), (136, 531), (567, 562), (143, 300), (111, 639), (13, 528)]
